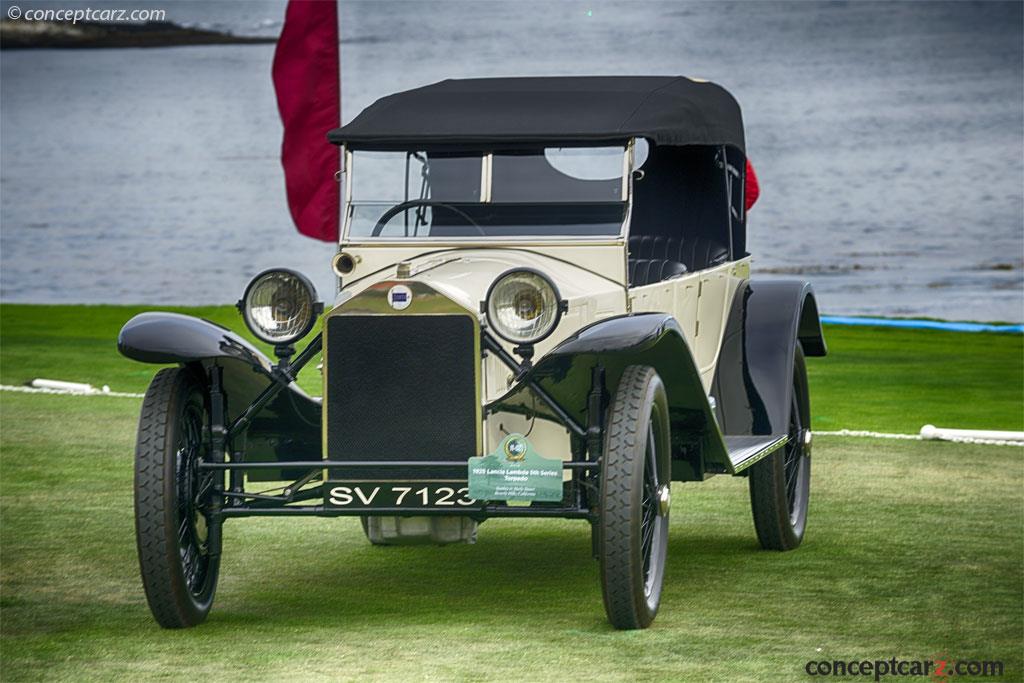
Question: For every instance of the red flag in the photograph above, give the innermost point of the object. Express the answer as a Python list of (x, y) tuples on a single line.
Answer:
[(307, 81)]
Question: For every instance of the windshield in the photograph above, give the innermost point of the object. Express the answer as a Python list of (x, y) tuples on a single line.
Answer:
[(551, 192)]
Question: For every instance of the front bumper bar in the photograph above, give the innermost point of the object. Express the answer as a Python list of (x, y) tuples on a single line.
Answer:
[(573, 505), (326, 464)]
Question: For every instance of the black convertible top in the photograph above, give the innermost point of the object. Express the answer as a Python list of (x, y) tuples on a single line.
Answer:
[(668, 110)]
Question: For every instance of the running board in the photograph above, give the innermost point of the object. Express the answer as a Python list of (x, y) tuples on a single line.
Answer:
[(744, 451)]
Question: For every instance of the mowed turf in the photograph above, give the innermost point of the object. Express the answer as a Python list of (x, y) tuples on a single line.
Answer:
[(914, 549)]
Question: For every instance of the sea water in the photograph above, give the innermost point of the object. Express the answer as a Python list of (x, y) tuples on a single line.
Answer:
[(888, 139)]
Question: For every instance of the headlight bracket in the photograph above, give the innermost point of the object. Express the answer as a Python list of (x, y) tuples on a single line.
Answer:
[(524, 351)]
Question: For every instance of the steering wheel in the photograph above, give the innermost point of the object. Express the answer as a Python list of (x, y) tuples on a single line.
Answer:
[(378, 228)]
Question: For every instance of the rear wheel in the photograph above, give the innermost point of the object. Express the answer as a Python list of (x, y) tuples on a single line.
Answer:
[(179, 571), (780, 484), (634, 500)]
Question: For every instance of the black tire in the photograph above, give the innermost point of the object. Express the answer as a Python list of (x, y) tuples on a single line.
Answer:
[(179, 573), (633, 527), (780, 485)]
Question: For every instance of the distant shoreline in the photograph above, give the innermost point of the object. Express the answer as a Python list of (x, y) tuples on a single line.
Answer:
[(28, 35)]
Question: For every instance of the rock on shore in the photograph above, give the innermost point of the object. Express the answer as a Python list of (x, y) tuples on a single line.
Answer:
[(20, 35)]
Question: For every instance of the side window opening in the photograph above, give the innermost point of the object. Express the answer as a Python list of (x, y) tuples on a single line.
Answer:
[(682, 212), (735, 170)]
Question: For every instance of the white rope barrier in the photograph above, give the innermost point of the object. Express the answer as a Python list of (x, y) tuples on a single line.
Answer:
[(868, 435), (92, 391), (954, 438)]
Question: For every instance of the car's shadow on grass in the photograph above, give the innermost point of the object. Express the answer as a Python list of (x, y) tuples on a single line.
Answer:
[(533, 572)]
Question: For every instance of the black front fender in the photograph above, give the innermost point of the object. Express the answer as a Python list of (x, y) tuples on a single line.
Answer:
[(159, 337), (288, 427), (652, 339)]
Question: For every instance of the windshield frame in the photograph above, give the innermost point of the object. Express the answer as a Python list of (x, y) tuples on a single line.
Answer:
[(486, 160)]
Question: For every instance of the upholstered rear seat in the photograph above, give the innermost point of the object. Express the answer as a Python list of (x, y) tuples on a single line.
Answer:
[(653, 258), (644, 271)]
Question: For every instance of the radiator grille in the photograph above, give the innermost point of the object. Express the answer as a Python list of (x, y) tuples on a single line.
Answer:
[(401, 387)]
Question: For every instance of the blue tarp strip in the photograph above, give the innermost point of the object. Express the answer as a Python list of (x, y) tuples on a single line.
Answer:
[(922, 324)]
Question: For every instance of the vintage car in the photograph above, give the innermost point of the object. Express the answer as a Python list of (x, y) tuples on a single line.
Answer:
[(544, 308)]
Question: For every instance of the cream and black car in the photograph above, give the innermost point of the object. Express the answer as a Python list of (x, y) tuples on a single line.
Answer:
[(544, 308)]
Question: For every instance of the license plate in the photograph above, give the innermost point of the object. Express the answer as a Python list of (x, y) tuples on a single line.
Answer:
[(372, 495)]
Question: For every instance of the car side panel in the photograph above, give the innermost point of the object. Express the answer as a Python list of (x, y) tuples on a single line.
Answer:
[(677, 297), (699, 302), (712, 310)]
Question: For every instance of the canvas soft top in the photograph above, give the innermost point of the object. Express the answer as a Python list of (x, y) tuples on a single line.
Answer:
[(667, 110)]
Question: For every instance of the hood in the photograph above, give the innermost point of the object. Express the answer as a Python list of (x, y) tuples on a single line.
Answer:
[(465, 275)]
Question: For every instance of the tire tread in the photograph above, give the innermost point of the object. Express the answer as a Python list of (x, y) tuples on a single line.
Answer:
[(621, 474), (768, 501), (169, 600)]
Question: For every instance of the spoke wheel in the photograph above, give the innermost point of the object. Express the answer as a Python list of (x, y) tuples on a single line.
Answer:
[(192, 527), (780, 484), (634, 500), (795, 465), (179, 568)]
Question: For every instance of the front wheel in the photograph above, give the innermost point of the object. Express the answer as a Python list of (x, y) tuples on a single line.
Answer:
[(634, 500), (780, 485), (179, 569)]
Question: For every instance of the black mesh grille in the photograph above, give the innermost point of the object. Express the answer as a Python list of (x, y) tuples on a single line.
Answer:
[(401, 387)]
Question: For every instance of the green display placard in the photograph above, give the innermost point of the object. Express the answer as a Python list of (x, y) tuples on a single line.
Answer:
[(515, 472)]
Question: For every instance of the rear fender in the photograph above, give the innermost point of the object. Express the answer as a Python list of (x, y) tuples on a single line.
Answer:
[(288, 427), (652, 339), (753, 382)]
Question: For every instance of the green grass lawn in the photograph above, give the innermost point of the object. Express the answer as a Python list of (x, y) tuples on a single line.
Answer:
[(875, 378), (913, 550)]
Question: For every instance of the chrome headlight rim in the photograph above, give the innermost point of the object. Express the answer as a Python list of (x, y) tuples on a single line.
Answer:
[(315, 307), (559, 306)]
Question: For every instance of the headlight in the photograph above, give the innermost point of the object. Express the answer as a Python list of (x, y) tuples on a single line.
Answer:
[(523, 306), (280, 306)]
